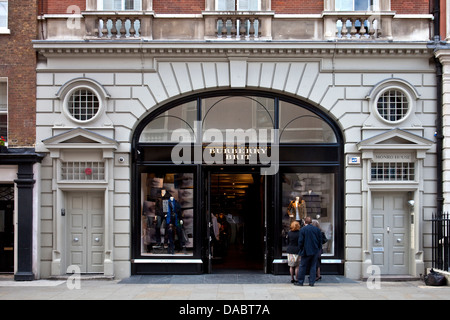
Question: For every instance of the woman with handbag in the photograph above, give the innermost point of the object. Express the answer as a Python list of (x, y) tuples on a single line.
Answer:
[(292, 250)]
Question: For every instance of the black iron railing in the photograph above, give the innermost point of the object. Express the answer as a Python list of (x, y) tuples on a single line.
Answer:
[(441, 241)]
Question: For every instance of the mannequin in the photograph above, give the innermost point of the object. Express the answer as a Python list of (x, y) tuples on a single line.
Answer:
[(161, 211), (174, 224), (297, 210)]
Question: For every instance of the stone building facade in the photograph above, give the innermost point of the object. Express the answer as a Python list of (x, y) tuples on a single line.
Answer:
[(348, 90)]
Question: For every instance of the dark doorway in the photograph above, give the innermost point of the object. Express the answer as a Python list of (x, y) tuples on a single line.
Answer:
[(237, 206), (6, 229)]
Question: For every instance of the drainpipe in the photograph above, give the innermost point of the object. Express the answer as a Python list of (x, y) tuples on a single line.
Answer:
[(439, 121)]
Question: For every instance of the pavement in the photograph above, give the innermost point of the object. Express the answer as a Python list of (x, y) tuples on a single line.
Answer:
[(241, 288)]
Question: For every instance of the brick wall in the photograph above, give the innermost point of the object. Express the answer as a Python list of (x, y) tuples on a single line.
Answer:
[(411, 6), (297, 6), (18, 65), (177, 6), (60, 6), (279, 6)]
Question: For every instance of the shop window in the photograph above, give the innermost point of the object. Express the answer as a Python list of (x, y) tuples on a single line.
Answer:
[(167, 219), (226, 115), (6, 193), (312, 195), (4, 112), (354, 5), (393, 171), (393, 105), (4, 17), (120, 5), (299, 125), (180, 119)]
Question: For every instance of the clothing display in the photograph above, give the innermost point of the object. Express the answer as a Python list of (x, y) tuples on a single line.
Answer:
[(308, 195), (297, 209), (168, 214)]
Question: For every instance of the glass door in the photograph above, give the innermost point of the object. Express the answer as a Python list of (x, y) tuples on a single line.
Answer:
[(235, 214)]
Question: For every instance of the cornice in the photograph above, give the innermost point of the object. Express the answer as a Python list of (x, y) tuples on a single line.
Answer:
[(232, 48)]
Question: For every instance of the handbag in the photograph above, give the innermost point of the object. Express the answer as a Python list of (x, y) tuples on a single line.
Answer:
[(435, 279)]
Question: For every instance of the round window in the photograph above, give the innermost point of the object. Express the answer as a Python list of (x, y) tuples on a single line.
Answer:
[(393, 105), (83, 104)]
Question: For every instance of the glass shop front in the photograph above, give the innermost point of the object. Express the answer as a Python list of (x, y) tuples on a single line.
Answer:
[(219, 177)]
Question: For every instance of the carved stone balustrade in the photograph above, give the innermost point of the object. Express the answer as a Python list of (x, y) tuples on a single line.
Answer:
[(238, 25), (358, 25), (117, 25)]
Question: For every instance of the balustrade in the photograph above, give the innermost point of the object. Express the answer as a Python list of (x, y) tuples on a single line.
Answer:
[(358, 28), (118, 27), (238, 28)]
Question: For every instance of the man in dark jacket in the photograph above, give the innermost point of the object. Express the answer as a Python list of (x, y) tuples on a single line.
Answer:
[(309, 243)]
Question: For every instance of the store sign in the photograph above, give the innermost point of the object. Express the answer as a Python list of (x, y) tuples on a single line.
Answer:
[(354, 160), (393, 157), (235, 146), (236, 154)]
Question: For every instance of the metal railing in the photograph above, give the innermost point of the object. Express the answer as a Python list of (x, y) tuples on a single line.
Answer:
[(441, 241)]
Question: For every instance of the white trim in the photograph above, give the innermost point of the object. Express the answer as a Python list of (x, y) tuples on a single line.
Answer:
[(414, 16), (178, 15), (166, 261), (298, 16)]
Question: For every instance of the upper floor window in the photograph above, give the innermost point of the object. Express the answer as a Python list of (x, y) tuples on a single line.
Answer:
[(393, 105), (83, 104), (238, 5), (120, 5), (354, 5), (3, 16)]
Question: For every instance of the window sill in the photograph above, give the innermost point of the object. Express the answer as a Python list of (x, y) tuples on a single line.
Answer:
[(4, 31), (358, 13)]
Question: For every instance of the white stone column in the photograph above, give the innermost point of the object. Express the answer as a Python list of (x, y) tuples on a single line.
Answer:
[(444, 57)]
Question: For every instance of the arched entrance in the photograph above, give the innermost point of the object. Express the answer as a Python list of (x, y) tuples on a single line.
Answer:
[(214, 176)]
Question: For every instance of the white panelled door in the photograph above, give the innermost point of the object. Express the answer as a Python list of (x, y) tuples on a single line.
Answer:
[(85, 231), (390, 232)]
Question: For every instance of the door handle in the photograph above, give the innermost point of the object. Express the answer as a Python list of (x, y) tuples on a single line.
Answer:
[(399, 240), (388, 229), (377, 240), (76, 239), (97, 239)]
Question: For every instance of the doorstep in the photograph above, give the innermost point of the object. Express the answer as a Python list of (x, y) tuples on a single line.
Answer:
[(82, 277), (396, 277)]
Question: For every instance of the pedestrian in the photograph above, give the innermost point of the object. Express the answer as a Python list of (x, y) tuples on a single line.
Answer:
[(292, 250), (309, 243), (324, 240)]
